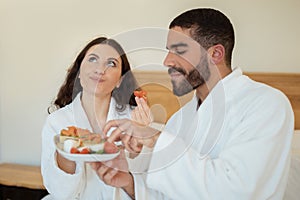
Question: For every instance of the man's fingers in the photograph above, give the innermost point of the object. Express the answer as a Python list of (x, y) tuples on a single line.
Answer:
[(102, 170), (109, 175), (125, 141), (135, 145), (116, 135), (95, 165), (118, 163), (109, 125)]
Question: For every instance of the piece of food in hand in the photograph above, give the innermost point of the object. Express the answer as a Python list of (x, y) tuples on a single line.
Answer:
[(110, 147), (140, 94), (82, 141)]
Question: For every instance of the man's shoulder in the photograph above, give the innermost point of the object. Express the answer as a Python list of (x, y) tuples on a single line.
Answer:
[(262, 98), (264, 92)]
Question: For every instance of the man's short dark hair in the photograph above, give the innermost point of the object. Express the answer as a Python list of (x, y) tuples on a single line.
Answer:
[(208, 27)]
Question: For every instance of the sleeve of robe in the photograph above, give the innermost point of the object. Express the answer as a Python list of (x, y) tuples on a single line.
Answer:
[(59, 184), (250, 166)]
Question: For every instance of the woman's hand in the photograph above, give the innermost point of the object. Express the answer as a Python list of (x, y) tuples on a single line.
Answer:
[(142, 113), (64, 164)]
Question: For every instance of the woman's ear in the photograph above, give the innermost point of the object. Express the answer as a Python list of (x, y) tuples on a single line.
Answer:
[(217, 53)]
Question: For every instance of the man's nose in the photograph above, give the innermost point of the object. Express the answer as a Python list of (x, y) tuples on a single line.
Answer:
[(169, 60)]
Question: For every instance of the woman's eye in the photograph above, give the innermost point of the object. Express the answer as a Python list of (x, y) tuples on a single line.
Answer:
[(111, 63), (92, 59)]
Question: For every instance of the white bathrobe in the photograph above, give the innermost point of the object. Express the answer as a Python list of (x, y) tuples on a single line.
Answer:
[(235, 146), (84, 184)]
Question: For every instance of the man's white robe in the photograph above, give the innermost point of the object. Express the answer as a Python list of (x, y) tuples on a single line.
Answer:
[(235, 146)]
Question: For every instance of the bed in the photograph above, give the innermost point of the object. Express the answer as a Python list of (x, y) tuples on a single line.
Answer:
[(163, 104)]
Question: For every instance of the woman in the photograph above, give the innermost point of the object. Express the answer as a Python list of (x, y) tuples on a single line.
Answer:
[(98, 87)]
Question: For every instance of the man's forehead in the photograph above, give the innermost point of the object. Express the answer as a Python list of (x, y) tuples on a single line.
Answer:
[(178, 36)]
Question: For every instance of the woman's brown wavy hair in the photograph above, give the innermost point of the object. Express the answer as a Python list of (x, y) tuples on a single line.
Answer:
[(71, 86)]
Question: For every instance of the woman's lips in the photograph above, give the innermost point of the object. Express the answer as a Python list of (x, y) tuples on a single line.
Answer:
[(97, 79)]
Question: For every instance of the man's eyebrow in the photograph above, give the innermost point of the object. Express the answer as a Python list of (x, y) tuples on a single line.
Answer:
[(173, 46)]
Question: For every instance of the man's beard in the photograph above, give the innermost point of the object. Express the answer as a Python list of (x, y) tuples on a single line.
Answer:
[(193, 79)]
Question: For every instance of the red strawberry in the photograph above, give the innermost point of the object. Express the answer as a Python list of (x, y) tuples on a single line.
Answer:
[(140, 94)]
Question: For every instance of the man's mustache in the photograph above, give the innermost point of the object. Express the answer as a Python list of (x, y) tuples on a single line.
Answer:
[(176, 69)]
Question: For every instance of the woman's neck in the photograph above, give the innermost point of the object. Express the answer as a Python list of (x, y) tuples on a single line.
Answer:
[(96, 109)]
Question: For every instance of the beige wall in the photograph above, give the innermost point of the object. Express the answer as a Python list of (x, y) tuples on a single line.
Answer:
[(39, 40)]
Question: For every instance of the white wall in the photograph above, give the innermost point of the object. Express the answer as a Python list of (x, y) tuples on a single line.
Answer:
[(40, 39)]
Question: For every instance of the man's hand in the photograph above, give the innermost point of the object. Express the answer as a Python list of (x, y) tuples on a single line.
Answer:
[(115, 173), (128, 131)]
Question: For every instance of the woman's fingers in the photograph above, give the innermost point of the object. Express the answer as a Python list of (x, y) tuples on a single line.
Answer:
[(134, 116), (142, 113)]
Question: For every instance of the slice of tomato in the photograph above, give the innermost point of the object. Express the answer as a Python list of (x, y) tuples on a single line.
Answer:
[(85, 151), (74, 150)]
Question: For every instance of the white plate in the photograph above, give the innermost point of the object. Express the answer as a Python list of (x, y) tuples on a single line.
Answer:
[(82, 157)]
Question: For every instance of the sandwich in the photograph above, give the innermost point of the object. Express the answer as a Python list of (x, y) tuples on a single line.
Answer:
[(81, 141)]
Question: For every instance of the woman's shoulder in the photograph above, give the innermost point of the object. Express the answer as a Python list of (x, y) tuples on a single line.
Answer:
[(61, 114)]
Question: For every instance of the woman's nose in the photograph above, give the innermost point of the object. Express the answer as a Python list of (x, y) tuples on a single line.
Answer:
[(101, 68)]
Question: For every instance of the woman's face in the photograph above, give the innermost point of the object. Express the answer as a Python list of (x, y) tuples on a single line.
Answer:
[(100, 70)]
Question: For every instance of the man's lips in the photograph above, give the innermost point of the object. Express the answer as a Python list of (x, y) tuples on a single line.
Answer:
[(176, 70), (175, 74)]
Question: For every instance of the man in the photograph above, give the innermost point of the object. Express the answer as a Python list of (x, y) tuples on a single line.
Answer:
[(231, 141)]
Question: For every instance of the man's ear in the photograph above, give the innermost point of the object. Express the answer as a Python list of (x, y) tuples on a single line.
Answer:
[(217, 53)]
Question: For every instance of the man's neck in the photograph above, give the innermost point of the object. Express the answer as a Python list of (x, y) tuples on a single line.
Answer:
[(216, 75)]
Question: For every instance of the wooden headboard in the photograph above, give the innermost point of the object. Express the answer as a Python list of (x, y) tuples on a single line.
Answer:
[(164, 103)]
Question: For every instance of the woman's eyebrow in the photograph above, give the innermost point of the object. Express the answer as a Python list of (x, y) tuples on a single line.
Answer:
[(114, 59), (92, 54)]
